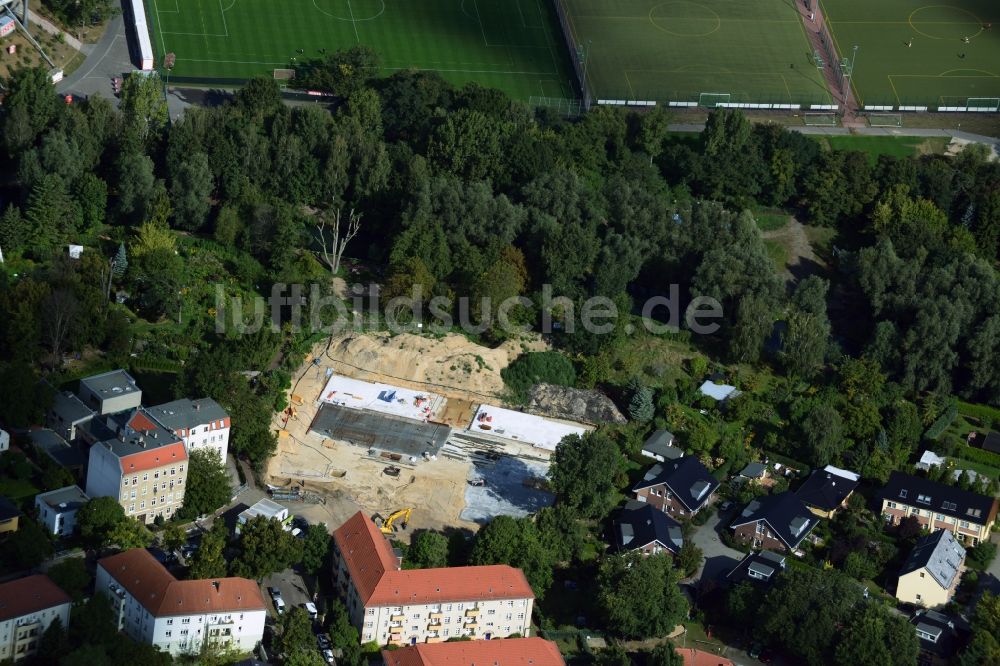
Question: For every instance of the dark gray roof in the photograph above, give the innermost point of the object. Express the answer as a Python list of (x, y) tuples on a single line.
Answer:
[(786, 515), (133, 431), (70, 409), (938, 633), (948, 500), (940, 554), (8, 509), (754, 470), (758, 568), (57, 448), (185, 414), (380, 431), (110, 384), (70, 496), (992, 442), (660, 443), (640, 524), (826, 490), (686, 478)]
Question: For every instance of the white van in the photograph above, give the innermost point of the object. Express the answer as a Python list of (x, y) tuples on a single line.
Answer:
[(279, 605), (311, 609)]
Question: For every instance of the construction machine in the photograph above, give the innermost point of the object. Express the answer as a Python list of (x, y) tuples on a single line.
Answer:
[(387, 525)]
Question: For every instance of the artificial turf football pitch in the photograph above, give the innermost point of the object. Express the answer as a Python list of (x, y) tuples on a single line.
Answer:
[(514, 45), (914, 53), (751, 50)]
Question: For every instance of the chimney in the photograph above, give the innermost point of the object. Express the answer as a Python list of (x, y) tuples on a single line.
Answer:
[(197, 406), (215, 584)]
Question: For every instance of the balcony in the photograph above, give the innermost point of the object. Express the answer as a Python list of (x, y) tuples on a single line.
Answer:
[(434, 626), (472, 612), (471, 624), (436, 616), (397, 618), (435, 639)]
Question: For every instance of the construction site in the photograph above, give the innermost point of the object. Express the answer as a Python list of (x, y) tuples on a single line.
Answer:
[(413, 427)]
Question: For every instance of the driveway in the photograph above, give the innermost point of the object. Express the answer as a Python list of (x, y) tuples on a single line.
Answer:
[(719, 558)]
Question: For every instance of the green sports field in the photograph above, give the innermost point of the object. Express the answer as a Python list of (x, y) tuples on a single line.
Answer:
[(754, 50), (939, 68), (513, 45)]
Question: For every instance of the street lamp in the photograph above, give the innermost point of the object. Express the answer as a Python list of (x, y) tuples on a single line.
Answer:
[(854, 57)]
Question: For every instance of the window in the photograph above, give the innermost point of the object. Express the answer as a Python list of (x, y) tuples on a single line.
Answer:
[(371, 611), (922, 575), (186, 620), (155, 488), (924, 499), (168, 634), (964, 524), (184, 632), (132, 496), (135, 480), (131, 508), (152, 502), (949, 506), (919, 597), (173, 470), (124, 497), (891, 505), (142, 505), (170, 621), (145, 477), (903, 493)]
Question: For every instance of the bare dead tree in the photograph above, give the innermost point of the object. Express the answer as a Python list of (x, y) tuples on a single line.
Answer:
[(59, 312), (333, 249)]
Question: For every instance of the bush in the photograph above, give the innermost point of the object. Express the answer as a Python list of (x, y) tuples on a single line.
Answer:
[(982, 555), (942, 422), (972, 454), (981, 412), (703, 516), (537, 368)]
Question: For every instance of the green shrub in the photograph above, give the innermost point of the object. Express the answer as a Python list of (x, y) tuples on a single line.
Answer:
[(982, 412), (942, 422), (973, 454), (537, 368)]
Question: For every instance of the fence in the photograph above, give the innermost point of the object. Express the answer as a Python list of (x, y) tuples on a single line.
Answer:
[(574, 52)]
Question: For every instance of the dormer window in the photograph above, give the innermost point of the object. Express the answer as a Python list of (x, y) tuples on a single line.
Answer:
[(924, 499), (902, 494), (949, 506)]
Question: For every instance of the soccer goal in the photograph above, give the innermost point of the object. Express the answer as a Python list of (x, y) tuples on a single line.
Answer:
[(885, 120), (820, 119), (284, 74), (712, 100), (983, 104)]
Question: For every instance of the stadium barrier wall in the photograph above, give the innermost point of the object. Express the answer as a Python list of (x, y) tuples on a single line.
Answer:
[(142, 40), (574, 52)]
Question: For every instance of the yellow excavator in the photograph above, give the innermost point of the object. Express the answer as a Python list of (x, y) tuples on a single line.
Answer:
[(387, 525)]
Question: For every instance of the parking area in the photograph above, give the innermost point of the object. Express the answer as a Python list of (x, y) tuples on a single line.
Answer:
[(291, 586)]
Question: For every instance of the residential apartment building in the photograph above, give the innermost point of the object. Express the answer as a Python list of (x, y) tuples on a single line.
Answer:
[(508, 651), (27, 607), (68, 415), (778, 523), (180, 616), (967, 515), (57, 509), (110, 392), (680, 487), (391, 606), (138, 461), (201, 424), (932, 572)]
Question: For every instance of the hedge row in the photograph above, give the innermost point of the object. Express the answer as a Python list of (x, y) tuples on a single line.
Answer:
[(980, 412), (942, 422), (973, 454)]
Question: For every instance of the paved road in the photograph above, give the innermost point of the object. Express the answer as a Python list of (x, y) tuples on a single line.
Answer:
[(108, 58), (865, 131), (719, 558)]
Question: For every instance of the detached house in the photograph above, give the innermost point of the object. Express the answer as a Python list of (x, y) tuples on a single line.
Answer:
[(932, 572), (758, 568), (647, 529), (680, 487), (138, 461), (57, 509), (660, 447), (940, 636), (777, 522), (827, 490), (967, 515), (391, 606)]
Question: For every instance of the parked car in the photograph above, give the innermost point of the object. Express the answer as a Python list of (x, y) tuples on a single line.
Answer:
[(323, 642), (273, 592), (725, 506), (328, 656), (311, 609), (279, 605)]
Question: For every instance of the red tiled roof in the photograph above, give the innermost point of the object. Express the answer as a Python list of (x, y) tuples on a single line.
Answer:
[(694, 657), (500, 652), (161, 594), (141, 422), (153, 458), (374, 571), (28, 595)]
